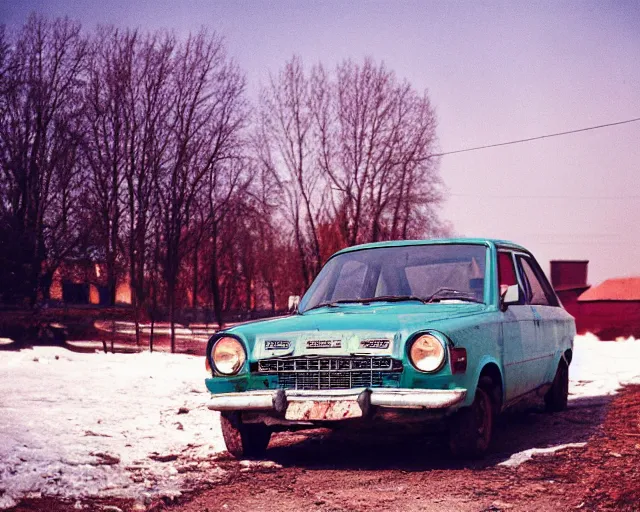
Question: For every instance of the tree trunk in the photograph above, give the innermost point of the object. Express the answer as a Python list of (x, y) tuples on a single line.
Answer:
[(248, 282), (215, 285), (154, 296), (172, 315), (272, 297), (301, 254), (136, 313), (153, 322), (194, 301)]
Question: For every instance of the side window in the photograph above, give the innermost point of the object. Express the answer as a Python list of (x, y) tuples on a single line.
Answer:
[(506, 271), (350, 281), (536, 294)]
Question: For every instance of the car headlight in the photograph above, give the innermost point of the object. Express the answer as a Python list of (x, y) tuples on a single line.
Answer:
[(427, 353), (228, 355)]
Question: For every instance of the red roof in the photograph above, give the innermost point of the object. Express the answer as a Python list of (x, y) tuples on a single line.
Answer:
[(621, 288), (571, 287)]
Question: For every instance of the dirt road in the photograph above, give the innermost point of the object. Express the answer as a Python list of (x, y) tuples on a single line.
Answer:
[(335, 472), (339, 471)]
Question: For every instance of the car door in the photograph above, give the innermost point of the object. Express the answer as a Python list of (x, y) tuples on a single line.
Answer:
[(549, 318), (539, 351), (518, 330)]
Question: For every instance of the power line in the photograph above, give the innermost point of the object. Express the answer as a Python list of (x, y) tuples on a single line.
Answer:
[(508, 196), (591, 242), (547, 136), (574, 235)]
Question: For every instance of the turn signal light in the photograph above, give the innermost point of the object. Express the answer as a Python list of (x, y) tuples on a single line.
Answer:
[(458, 359)]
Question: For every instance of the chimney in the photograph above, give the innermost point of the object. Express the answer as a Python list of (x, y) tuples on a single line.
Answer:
[(569, 273)]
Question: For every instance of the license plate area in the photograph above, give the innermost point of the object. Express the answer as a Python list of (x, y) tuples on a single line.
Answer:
[(323, 410)]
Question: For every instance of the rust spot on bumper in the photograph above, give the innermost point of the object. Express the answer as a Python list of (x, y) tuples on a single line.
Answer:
[(330, 410)]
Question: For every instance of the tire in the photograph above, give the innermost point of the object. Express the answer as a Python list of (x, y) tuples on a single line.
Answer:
[(471, 427), (556, 398), (244, 441)]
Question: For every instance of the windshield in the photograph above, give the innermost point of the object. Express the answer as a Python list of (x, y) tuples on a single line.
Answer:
[(427, 273)]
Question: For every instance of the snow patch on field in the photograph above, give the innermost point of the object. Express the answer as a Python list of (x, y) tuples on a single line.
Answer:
[(602, 367), (136, 425), (598, 368), (77, 425), (518, 458)]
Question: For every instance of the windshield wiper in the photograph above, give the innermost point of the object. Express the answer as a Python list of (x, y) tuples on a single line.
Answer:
[(445, 293), (393, 298), (332, 304), (381, 298), (367, 300)]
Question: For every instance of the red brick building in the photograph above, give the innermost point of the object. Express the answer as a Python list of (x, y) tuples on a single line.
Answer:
[(609, 310), (612, 308), (83, 282), (569, 280)]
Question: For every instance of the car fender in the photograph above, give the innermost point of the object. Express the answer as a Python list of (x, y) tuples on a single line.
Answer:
[(561, 353), (474, 378)]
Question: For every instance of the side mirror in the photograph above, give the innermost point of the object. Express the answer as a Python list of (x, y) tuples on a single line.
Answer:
[(511, 296), (294, 300)]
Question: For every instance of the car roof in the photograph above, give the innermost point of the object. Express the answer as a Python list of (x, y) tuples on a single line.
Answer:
[(434, 241)]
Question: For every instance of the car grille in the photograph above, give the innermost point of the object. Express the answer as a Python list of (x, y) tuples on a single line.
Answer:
[(331, 372)]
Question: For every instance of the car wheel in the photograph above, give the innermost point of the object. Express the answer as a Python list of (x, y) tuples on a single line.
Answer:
[(471, 427), (244, 440), (556, 398)]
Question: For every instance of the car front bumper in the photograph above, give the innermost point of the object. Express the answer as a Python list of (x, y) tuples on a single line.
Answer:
[(335, 404)]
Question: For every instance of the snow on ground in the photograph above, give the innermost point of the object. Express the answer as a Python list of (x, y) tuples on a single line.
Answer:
[(80, 425), (598, 368), (76, 425), (602, 367), (518, 458)]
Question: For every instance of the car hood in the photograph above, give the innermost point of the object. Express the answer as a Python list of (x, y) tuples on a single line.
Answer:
[(352, 328)]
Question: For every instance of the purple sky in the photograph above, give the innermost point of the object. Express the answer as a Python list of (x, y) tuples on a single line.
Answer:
[(495, 71)]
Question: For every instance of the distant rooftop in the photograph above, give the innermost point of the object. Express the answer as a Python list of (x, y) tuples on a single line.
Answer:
[(619, 289)]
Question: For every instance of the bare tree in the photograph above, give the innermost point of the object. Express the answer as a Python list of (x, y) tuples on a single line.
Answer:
[(66, 221), (351, 149), (147, 104), (154, 273), (411, 208), (132, 148), (377, 138), (204, 119), (271, 247), (289, 150), (108, 139), (227, 183), (227, 176), (42, 82)]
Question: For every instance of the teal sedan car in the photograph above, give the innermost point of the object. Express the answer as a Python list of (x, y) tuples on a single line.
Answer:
[(446, 332)]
